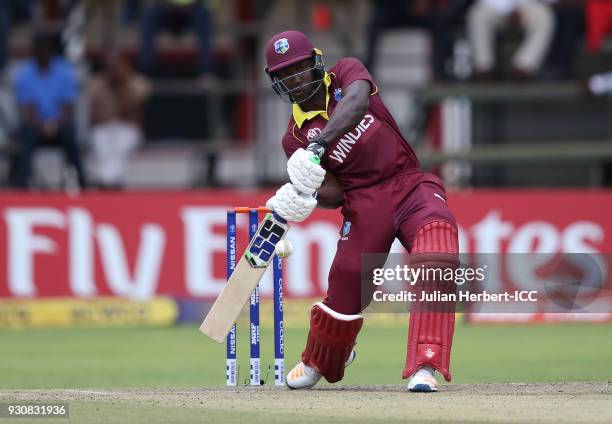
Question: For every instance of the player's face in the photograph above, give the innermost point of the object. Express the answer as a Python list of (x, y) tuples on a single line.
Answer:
[(299, 80)]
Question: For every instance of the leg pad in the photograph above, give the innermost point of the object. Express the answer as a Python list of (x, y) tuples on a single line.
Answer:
[(430, 332), (330, 341)]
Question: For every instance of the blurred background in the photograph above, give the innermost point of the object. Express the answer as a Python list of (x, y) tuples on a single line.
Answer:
[(489, 92), (128, 127)]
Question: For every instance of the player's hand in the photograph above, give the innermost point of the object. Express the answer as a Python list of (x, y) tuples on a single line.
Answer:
[(305, 172), (291, 204)]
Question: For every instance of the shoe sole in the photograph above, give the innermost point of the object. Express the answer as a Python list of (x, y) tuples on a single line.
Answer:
[(423, 388), (300, 388)]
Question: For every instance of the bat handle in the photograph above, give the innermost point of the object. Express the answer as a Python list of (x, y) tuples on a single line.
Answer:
[(279, 218), (318, 147)]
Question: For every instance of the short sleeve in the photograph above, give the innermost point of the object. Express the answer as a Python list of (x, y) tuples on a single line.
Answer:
[(290, 144), (21, 85), (349, 70)]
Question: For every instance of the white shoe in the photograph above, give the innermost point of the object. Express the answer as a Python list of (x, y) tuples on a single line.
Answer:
[(423, 381), (305, 377)]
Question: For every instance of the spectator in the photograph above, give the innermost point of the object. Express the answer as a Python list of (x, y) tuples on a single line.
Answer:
[(435, 16), (176, 15), (11, 12), (485, 17), (100, 15), (45, 87), (598, 23), (569, 29), (116, 98), (131, 11)]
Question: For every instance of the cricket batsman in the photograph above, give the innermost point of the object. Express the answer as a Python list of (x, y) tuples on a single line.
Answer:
[(369, 169)]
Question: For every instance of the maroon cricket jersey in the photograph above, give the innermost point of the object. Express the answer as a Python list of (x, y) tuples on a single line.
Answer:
[(373, 151)]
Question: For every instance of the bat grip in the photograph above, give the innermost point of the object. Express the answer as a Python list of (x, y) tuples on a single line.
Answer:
[(279, 218)]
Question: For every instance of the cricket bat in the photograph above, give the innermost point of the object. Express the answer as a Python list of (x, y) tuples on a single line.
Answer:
[(249, 270)]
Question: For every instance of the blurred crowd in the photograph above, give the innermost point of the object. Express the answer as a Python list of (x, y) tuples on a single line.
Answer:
[(49, 78), (547, 33), (57, 71)]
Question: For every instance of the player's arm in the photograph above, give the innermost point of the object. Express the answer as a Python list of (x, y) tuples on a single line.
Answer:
[(349, 111), (330, 195), (303, 166)]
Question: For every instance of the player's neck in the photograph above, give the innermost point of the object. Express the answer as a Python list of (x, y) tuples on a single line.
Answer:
[(317, 102)]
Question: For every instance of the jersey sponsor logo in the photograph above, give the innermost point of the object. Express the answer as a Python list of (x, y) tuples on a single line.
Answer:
[(429, 353), (313, 133), (281, 46), (345, 145)]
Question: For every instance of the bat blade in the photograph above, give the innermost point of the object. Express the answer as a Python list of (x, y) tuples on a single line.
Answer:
[(244, 279), (235, 294)]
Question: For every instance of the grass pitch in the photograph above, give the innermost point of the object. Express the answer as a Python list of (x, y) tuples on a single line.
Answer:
[(133, 375), (183, 357)]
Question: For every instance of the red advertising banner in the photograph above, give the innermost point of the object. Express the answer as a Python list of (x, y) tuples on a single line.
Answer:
[(140, 245)]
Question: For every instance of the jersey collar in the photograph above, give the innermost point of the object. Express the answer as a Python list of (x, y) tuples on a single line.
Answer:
[(300, 116)]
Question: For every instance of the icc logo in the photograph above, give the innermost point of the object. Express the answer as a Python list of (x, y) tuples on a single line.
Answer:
[(281, 46), (312, 133)]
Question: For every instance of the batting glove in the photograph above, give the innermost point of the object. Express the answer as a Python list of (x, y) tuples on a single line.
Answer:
[(305, 172), (290, 204)]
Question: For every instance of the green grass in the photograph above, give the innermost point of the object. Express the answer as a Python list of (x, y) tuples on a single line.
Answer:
[(182, 357)]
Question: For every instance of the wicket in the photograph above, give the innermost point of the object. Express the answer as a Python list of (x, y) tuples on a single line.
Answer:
[(231, 376)]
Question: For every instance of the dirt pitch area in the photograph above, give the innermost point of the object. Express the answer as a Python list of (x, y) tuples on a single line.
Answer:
[(515, 403)]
